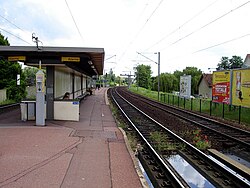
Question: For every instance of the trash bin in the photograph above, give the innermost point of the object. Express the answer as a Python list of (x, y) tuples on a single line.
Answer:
[(23, 107)]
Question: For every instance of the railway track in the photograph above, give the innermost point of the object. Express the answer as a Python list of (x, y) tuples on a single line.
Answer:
[(230, 138), (6, 108), (157, 157)]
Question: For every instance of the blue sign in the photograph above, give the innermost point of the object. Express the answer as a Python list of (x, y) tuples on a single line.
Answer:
[(75, 102)]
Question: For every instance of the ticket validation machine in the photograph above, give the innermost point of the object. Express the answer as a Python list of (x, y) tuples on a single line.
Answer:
[(40, 107)]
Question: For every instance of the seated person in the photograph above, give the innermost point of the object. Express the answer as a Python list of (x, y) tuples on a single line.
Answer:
[(66, 96)]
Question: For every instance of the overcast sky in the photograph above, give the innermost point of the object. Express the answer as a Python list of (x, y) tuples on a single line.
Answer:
[(186, 33)]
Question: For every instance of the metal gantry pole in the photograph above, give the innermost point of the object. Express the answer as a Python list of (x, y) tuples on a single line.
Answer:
[(159, 72)]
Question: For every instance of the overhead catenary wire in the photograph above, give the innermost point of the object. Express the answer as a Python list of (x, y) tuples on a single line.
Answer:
[(207, 24), (141, 29), (182, 25), (225, 42), (14, 25), (15, 36), (212, 46), (74, 20)]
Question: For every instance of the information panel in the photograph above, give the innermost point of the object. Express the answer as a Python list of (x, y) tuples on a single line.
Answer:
[(241, 87), (221, 87), (185, 86)]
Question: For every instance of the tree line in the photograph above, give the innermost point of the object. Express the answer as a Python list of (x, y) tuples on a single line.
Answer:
[(168, 82)]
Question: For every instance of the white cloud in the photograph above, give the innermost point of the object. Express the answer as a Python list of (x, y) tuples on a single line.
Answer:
[(123, 27)]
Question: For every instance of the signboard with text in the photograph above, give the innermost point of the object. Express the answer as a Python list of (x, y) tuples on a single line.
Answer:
[(241, 87), (185, 86), (221, 87)]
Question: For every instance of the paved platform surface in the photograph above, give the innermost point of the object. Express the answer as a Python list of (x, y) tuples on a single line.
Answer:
[(89, 153)]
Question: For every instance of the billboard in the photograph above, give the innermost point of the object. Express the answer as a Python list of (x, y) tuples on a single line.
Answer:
[(241, 87), (221, 87), (185, 86)]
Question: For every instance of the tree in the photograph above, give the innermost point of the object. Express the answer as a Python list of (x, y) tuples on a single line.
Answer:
[(224, 64), (143, 76), (178, 74), (168, 82), (30, 75), (195, 77), (4, 41), (233, 63), (8, 76)]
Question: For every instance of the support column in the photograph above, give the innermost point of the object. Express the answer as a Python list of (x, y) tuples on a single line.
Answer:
[(81, 84), (73, 85), (50, 78)]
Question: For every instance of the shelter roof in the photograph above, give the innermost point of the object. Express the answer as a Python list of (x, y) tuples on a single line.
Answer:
[(89, 61)]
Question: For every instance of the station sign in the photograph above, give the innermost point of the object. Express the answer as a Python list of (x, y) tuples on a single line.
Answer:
[(70, 59), (16, 58)]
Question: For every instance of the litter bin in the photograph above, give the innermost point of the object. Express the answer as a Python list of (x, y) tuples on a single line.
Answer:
[(23, 111)]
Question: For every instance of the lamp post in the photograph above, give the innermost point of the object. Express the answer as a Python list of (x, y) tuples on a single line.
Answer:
[(159, 71)]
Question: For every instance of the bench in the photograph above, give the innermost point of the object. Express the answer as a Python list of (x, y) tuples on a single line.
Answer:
[(81, 97)]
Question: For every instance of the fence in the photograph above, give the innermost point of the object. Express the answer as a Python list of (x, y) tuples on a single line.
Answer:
[(236, 113)]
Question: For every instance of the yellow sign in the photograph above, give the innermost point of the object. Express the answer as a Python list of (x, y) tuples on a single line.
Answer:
[(17, 58), (71, 59), (241, 87)]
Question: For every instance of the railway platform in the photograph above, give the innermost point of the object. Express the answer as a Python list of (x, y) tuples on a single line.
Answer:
[(88, 153)]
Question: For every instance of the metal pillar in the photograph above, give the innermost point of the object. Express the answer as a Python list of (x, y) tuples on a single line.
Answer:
[(50, 74), (159, 73), (40, 107)]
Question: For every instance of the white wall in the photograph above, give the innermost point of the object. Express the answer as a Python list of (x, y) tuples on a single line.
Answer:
[(3, 95), (63, 83), (204, 90), (66, 110)]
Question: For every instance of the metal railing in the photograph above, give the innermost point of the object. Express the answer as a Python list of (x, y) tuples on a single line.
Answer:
[(225, 111)]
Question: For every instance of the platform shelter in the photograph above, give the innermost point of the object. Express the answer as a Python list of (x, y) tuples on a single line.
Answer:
[(68, 69)]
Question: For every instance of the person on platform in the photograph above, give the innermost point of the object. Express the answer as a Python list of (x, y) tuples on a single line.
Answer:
[(66, 96)]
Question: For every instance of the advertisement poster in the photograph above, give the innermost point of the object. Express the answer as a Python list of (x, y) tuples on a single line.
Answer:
[(241, 87), (185, 86), (221, 87)]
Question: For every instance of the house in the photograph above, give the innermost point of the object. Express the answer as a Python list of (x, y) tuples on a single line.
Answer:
[(205, 85), (246, 63)]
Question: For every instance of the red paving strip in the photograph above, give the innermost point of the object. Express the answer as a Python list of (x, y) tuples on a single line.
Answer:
[(88, 153)]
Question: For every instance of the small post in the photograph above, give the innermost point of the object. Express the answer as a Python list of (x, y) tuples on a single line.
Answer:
[(191, 104), (239, 114), (200, 105), (184, 102), (178, 101), (159, 73), (168, 98), (210, 110), (173, 100), (223, 110)]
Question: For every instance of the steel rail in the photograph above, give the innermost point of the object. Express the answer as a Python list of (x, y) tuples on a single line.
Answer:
[(177, 181), (247, 133), (242, 181), (3, 108)]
